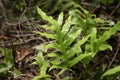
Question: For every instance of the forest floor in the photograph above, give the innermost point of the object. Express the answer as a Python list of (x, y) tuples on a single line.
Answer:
[(24, 42)]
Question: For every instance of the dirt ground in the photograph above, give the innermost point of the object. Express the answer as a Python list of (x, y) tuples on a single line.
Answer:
[(20, 37)]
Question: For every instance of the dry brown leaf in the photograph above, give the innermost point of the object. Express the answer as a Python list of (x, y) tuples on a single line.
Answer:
[(3, 37), (21, 55)]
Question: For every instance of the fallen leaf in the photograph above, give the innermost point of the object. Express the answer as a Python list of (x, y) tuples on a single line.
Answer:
[(3, 37), (21, 55)]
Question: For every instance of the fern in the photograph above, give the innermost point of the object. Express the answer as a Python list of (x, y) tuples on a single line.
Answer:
[(68, 48)]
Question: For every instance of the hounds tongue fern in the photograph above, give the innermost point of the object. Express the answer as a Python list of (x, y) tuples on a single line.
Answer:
[(65, 56)]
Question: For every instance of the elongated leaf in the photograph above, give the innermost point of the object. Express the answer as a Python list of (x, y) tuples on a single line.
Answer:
[(44, 68), (76, 48), (41, 76), (59, 37), (93, 41), (71, 38), (104, 47), (16, 73), (45, 17), (78, 58), (107, 2), (47, 35), (99, 20), (8, 56), (77, 5), (52, 55), (66, 26), (93, 35), (62, 71), (112, 71), (60, 19), (56, 46), (4, 67), (46, 27), (40, 59), (56, 5), (56, 61), (55, 67), (109, 33), (72, 62)]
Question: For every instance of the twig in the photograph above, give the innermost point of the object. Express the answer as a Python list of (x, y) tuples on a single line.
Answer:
[(57, 77), (17, 36), (17, 23), (114, 56), (22, 17), (3, 11), (23, 42), (115, 9)]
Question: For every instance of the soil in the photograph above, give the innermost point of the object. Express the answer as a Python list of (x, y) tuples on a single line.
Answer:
[(21, 38)]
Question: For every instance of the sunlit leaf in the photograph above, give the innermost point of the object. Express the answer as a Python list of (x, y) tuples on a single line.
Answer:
[(104, 47), (60, 19), (76, 47), (40, 59), (77, 5), (47, 27), (52, 36), (111, 71), (63, 70), (109, 33), (78, 58), (71, 38), (52, 55), (66, 26), (45, 17), (44, 68)]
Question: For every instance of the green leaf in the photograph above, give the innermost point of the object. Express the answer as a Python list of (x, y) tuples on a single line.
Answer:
[(47, 35), (40, 59), (43, 65), (16, 73), (47, 27), (104, 47), (93, 39), (56, 67), (111, 71), (56, 5), (44, 68), (39, 77), (79, 6), (98, 20), (52, 55), (76, 47), (66, 26), (62, 71), (78, 58), (45, 17), (9, 58), (56, 61), (72, 62), (109, 33), (4, 67), (54, 45), (71, 37), (60, 19), (107, 2)]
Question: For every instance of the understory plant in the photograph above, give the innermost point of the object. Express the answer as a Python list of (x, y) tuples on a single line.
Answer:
[(73, 40), (7, 65)]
